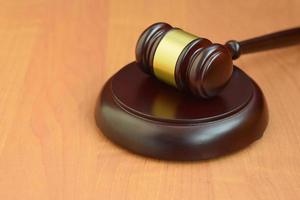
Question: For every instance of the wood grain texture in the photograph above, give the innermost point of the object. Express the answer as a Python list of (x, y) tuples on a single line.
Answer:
[(56, 55)]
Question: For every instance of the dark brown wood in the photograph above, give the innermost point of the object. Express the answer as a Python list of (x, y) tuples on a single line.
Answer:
[(183, 63), (278, 39), (150, 118), (147, 44), (209, 71), (202, 68)]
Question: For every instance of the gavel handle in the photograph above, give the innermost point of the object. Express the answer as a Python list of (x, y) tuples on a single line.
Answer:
[(266, 42)]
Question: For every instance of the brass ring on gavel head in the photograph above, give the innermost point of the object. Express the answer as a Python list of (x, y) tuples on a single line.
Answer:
[(168, 52), (183, 60)]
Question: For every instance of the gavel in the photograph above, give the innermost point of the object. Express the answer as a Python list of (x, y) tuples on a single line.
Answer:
[(195, 64)]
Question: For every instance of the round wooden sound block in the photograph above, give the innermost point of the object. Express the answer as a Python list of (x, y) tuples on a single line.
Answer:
[(151, 118)]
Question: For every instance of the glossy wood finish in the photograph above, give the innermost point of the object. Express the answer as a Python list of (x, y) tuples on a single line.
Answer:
[(202, 68), (175, 125), (55, 57), (149, 98), (279, 39)]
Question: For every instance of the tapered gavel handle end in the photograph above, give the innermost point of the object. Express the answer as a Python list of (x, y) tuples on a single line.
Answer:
[(270, 41)]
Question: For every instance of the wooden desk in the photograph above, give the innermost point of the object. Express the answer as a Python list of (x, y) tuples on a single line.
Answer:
[(56, 55)]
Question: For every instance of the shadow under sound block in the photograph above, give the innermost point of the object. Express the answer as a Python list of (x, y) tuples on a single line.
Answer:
[(153, 119)]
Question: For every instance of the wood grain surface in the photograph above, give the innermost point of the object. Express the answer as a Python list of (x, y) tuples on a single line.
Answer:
[(56, 55)]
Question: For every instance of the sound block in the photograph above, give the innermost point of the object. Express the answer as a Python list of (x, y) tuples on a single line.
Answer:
[(153, 119)]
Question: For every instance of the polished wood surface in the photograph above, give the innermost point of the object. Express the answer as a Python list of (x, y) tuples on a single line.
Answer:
[(178, 126), (183, 60), (56, 55), (280, 39)]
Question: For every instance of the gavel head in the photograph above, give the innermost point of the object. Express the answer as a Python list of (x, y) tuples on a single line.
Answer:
[(183, 60)]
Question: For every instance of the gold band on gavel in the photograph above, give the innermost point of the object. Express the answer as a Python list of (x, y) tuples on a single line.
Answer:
[(168, 52)]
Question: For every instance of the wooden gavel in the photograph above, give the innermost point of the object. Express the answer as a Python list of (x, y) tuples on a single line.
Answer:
[(195, 64)]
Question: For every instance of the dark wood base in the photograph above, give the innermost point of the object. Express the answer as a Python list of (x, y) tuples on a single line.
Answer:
[(150, 118)]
